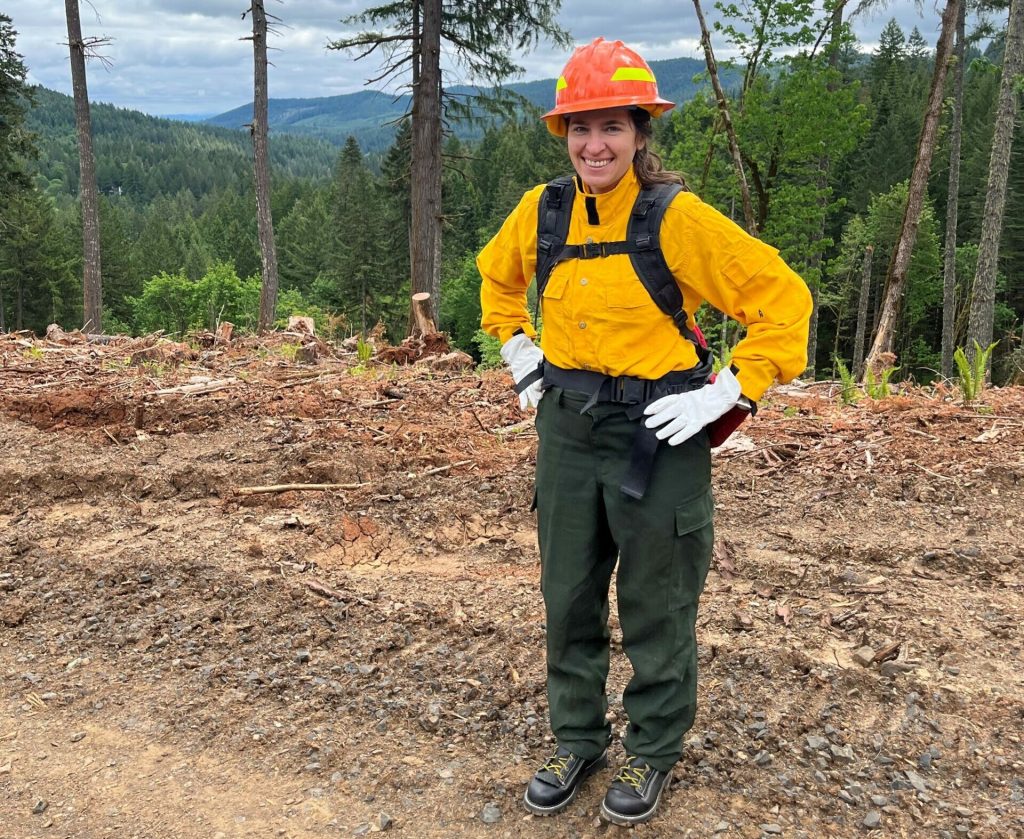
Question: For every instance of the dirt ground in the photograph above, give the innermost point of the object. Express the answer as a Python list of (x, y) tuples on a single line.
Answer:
[(182, 657)]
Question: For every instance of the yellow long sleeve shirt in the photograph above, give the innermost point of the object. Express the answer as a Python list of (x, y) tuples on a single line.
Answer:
[(599, 316)]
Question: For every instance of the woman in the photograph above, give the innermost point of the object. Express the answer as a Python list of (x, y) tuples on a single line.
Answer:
[(624, 404)]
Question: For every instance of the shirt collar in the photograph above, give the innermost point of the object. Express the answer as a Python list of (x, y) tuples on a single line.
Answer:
[(620, 199)]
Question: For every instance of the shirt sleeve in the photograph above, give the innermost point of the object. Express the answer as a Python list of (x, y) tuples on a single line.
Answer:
[(747, 280), (507, 265)]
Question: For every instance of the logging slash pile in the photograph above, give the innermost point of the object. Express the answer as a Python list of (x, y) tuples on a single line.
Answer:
[(280, 587)]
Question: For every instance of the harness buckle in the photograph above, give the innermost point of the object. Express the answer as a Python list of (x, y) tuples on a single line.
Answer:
[(645, 242), (630, 390), (592, 250)]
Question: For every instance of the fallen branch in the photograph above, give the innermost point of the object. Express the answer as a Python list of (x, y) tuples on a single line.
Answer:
[(198, 387), (328, 487), (296, 488)]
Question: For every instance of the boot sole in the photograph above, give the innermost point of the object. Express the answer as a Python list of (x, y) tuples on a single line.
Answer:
[(539, 810), (624, 820)]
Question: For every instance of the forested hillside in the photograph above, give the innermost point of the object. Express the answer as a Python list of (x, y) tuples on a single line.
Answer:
[(372, 117), (143, 157), (828, 144)]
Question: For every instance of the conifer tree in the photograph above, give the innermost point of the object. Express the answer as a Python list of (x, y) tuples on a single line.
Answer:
[(481, 37)]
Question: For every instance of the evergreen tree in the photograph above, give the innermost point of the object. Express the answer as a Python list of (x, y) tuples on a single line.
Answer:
[(38, 264), (16, 143), (481, 37)]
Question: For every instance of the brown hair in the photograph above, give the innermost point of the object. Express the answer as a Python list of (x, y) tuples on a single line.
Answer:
[(646, 162)]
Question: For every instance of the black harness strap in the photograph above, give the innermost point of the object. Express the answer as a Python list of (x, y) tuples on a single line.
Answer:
[(643, 246), (636, 394)]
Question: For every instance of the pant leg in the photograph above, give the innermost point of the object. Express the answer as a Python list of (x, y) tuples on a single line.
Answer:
[(665, 545), (577, 559)]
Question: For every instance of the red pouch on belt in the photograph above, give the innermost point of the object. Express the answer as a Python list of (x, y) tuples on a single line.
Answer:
[(721, 428)]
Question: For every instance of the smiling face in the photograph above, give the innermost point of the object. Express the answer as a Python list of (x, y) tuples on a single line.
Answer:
[(601, 146)]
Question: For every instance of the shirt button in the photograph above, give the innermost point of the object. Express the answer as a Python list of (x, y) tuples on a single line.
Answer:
[(590, 240), (583, 324), (583, 281)]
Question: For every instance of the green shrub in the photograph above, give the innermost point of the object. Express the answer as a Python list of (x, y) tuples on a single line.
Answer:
[(972, 372), (489, 349), (850, 393)]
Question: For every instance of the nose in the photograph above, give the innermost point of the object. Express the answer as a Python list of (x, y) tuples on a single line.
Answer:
[(595, 142)]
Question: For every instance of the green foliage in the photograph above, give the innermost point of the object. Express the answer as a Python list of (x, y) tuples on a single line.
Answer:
[(972, 370), (15, 142), (722, 360), (460, 306), (921, 312), (489, 349), (364, 350), (850, 394), (165, 304), (878, 385), (175, 304), (178, 209)]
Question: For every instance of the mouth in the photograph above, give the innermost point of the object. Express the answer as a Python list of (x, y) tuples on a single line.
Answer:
[(596, 164)]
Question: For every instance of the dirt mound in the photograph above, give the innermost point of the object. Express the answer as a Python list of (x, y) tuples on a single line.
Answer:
[(250, 595)]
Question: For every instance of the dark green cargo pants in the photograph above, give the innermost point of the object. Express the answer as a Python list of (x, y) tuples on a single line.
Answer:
[(662, 545)]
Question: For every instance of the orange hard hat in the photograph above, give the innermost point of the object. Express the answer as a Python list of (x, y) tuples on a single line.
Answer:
[(604, 74)]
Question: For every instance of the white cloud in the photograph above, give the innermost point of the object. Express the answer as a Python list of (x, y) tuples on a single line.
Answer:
[(187, 56)]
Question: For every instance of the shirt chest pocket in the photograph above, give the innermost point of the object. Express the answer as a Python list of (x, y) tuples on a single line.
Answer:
[(554, 289), (627, 293)]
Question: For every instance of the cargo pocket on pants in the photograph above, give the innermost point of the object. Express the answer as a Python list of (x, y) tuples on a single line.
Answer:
[(694, 543)]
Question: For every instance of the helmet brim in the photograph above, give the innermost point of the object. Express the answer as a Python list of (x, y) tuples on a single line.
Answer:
[(555, 119)]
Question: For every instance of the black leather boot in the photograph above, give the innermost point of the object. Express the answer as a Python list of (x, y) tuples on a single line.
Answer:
[(635, 793), (556, 783)]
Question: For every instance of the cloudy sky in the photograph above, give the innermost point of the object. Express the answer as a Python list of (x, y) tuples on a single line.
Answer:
[(186, 56)]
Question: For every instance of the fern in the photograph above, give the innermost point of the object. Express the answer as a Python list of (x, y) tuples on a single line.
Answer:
[(972, 372), (849, 394)]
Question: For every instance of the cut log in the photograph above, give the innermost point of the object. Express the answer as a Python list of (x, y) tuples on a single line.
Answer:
[(424, 324)]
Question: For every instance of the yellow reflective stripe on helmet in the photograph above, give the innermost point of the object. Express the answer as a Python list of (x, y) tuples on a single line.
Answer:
[(633, 74), (561, 84)]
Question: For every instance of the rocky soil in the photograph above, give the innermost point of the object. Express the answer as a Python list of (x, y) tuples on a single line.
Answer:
[(189, 650)]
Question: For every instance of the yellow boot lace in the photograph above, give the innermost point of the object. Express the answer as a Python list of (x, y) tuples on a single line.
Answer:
[(633, 775), (558, 765)]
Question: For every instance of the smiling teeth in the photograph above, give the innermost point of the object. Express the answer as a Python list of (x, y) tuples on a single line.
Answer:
[(597, 164)]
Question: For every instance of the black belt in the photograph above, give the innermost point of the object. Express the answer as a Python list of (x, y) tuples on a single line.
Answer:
[(637, 394)]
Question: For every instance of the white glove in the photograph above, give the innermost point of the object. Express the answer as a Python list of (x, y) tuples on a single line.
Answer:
[(681, 415), (524, 357)]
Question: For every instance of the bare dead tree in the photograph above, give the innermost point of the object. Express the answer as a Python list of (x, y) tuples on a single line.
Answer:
[(261, 165), (899, 264), (723, 107), (88, 192), (425, 171), (980, 326), (953, 201), (862, 312)]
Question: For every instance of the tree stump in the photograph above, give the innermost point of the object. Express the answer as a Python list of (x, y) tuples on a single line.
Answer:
[(423, 322)]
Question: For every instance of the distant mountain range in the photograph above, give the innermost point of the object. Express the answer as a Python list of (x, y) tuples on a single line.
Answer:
[(371, 116)]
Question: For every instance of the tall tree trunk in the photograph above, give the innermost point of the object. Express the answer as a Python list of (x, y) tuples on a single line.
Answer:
[(896, 276), (723, 107), (261, 168), (953, 201), (425, 187), (980, 326), (824, 165), (92, 278), (862, 312)]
